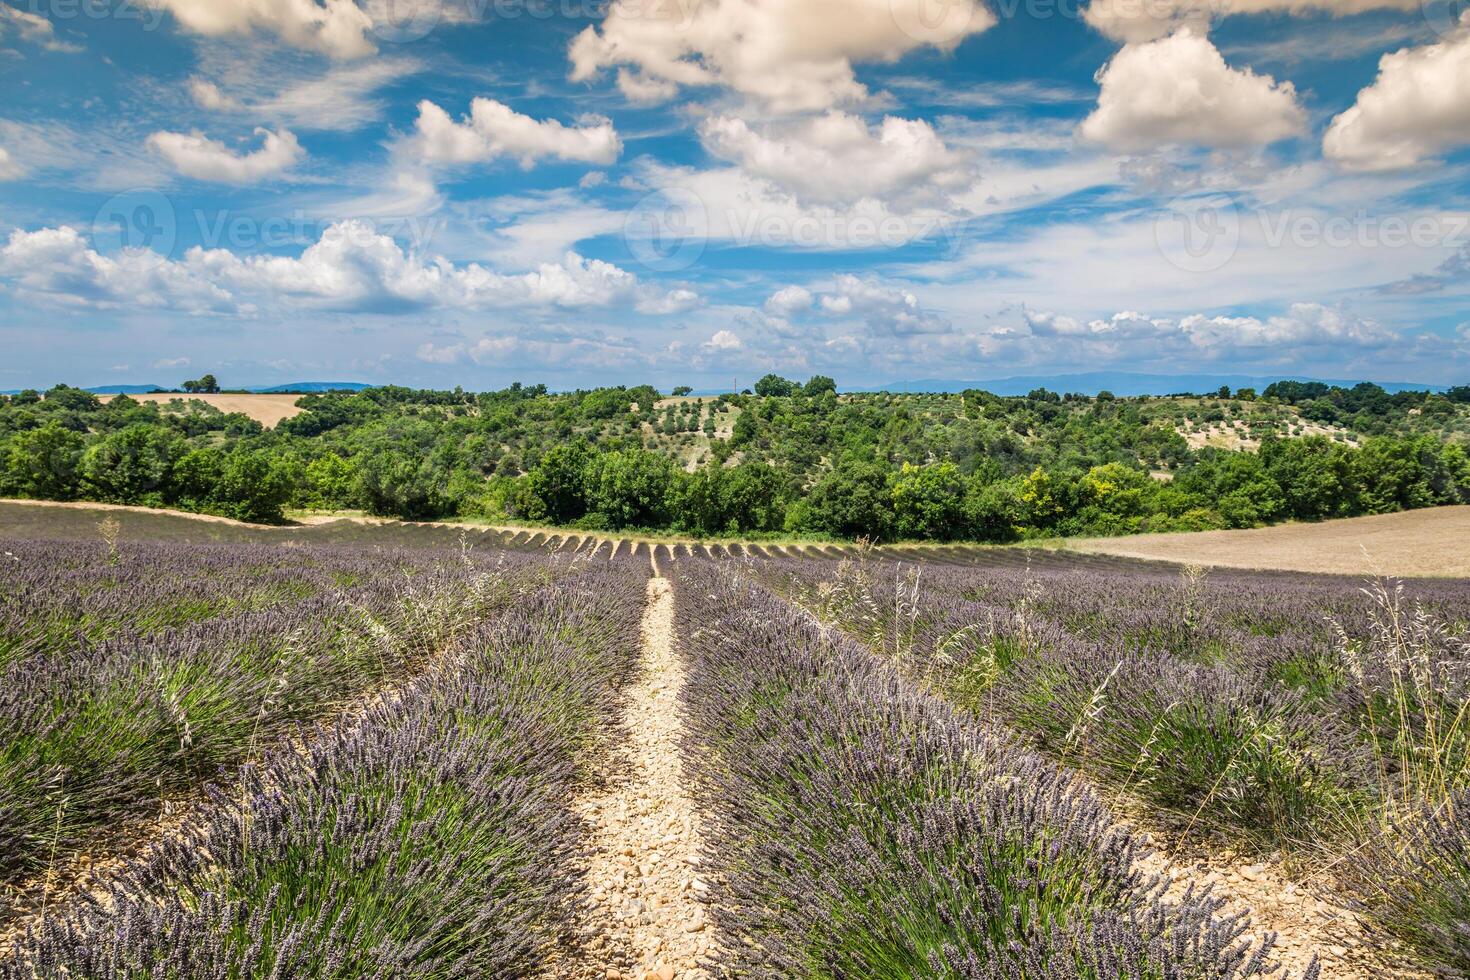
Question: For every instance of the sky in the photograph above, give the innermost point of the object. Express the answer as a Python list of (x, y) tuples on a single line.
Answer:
[(594, 192)]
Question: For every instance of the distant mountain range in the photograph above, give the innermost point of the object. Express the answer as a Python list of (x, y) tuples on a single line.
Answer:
[(1125, 383)]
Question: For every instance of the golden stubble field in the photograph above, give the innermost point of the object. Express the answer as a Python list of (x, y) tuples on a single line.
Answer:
[(268, 410), (1418, 543)]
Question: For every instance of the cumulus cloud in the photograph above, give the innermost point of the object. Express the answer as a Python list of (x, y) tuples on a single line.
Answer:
[(1179, 90), (837, 158), (337, 28), (1417, 107), (722, 340), (493, 129), (352, 267), (885, 309), (793, 55), (58, 263), (33, 28), (1133, 21), (1303, 325), (10, 168), (789, 301), (195, 155), (673, 302)]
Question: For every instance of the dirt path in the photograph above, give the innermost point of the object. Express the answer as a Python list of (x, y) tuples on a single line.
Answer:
[(644, 919)]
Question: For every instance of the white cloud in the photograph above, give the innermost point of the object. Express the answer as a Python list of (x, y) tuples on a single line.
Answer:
[(885, 309), (10, 168), (195, 155), (794, 55), (722, 340), (207, 95), (641, 89), (1136, 21), (338, 28), (33, 28), (755, 212), (493, 129), (58, 263), (352, 267), (170, 362), (341, 98), (1417, 107), (789, 301), (670, 303), (1304, 325), (1179, 90), (837, 158)]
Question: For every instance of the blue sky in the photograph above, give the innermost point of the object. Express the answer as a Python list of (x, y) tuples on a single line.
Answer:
[(441, 192)]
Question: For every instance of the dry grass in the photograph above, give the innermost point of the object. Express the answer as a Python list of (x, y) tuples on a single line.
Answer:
[(1416, 544), (268, 410)]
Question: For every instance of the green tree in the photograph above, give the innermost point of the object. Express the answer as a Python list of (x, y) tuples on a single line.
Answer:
[(853, 500), (330, 483), (45, 463), (133, 465), (394, 484), (206, 385), (558, 484), (929, 502), (254, 486), (819, 384), (630, 488), (775, 386)]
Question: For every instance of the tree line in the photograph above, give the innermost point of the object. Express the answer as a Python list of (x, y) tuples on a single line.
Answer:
[(795, 459)]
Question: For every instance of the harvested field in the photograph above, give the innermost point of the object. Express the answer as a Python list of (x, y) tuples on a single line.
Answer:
[(268, 410), (1414, 544)]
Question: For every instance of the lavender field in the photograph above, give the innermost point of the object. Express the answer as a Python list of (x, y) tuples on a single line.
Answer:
[(432, 754)]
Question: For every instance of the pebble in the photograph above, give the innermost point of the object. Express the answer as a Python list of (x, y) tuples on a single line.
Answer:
[(646, 838)]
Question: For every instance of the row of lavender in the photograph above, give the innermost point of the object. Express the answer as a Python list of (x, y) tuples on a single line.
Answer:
[(1294, 712), (101, 724), (430, 836), (861, 827)]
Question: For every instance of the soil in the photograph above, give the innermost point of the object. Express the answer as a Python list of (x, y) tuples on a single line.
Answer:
[(644, 919), (268, 410), (1414, 544)]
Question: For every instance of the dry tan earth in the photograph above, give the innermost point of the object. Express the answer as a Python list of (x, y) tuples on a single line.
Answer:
[(268, 410), (643, 918), (1308, 920), (1417, 543)]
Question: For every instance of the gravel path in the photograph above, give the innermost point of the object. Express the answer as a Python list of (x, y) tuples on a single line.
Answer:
[(644, 920)]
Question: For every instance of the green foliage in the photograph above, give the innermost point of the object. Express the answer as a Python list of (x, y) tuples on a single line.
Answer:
[(44, 463), (797, 457), (394, 484), (206, 385), (629, 489)]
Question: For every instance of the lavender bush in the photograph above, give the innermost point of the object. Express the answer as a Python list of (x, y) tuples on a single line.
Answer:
[(432, 837), (863, 829), (95, 735)]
